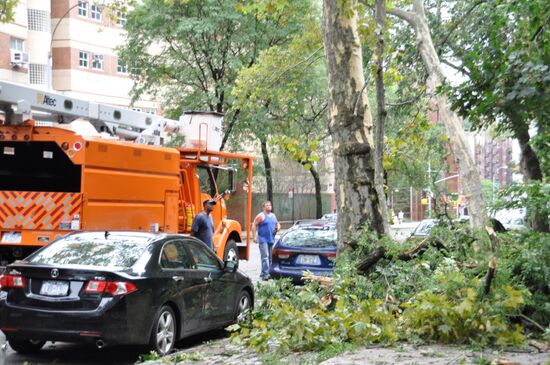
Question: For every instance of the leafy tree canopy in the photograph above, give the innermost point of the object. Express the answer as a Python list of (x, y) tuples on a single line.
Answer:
[(503, 49), (189, 53), (7, 8)]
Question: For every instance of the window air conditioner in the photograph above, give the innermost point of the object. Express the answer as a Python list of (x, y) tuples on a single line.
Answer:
[(19, 57)]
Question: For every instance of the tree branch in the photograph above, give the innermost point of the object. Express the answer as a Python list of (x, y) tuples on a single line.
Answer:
[(409, 17), (455, 67), (298, 64), (455, 25), (540, 29)]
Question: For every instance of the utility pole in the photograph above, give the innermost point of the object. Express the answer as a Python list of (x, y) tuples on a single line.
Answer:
[(411, 202)]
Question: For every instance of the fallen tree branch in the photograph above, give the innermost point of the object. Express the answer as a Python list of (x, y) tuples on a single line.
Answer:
[(493, 238), (371, 259), (380, 252), (490, 275), (523, 316), (406, 256)]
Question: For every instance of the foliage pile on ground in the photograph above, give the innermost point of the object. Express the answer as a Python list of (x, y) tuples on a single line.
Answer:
[(440, 295)]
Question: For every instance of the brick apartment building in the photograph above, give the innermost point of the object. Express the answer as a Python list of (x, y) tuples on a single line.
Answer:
[(81, 38), (494, 158)]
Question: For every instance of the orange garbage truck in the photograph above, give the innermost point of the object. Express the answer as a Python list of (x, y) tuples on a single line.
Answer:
[(57, 178)]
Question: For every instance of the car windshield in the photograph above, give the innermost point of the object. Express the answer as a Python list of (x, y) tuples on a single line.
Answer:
[(93, 250), (311, 237)]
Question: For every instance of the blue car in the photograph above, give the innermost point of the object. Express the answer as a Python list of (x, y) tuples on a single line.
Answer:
[(310, 247)]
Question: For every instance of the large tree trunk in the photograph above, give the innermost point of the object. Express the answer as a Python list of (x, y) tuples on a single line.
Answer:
[(350, 125), (318, 200), (267, 166), (530, 167), (458, 143), (381, 110)]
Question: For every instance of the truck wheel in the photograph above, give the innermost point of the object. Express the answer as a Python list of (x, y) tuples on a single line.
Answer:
[(26, 346), (231, 252), (163, 334)]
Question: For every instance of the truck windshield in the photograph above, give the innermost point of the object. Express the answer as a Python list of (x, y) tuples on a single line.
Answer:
[(206, 180), (37, 166)]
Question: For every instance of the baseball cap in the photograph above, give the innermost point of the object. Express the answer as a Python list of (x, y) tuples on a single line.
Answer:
[(209, 201)]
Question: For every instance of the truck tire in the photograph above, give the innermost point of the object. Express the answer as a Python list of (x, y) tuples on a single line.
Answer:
[(231, 252)]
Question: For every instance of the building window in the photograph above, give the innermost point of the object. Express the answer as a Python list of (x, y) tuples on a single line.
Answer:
[(97, 62), (39, 20), (96, 12), (17, 44), (38, 74), (83, 59), (120, 18), (83, 8), (121, 68)]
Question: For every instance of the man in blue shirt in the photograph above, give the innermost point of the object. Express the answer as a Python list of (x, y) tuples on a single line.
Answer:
[(203, 225), (263, 233)]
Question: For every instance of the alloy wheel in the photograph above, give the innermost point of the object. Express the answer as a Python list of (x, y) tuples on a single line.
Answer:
[(165, 334), (243, 307)]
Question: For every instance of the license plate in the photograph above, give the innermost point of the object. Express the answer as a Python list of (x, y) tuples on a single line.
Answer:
[(53, 288), (308, 260), (11, 237)]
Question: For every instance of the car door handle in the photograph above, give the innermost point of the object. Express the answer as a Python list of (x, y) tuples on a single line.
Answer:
[(177, 278)]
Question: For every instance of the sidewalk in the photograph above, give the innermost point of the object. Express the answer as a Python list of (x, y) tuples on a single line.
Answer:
[(405, 225)]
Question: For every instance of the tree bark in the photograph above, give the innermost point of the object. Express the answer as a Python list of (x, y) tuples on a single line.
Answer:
[(491, 268), (267, 166), (381, 111), (350, 125), (229, 128), (318, 200), (458, 142), (530, 167)]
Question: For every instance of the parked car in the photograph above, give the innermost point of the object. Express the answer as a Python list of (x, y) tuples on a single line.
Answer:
[(302, 222), (112, 288), (310, 247), (422, 230), (512, 219), (329, 217)]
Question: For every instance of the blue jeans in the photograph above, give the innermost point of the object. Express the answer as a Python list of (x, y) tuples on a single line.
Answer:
[(265, 254)]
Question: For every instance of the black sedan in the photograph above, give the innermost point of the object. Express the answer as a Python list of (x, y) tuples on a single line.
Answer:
[(113, 288)]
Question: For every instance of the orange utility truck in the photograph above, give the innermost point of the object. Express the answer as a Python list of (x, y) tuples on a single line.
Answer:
[(59, 177)]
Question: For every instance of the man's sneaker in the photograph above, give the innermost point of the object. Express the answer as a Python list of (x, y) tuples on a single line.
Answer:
[(266, 278)]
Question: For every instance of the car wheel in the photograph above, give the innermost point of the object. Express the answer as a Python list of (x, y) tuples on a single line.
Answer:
[(231, 252), (26, 346), (244, 304), (163, 334)]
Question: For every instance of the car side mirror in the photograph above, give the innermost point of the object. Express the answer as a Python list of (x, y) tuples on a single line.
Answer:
[(230, 266)]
